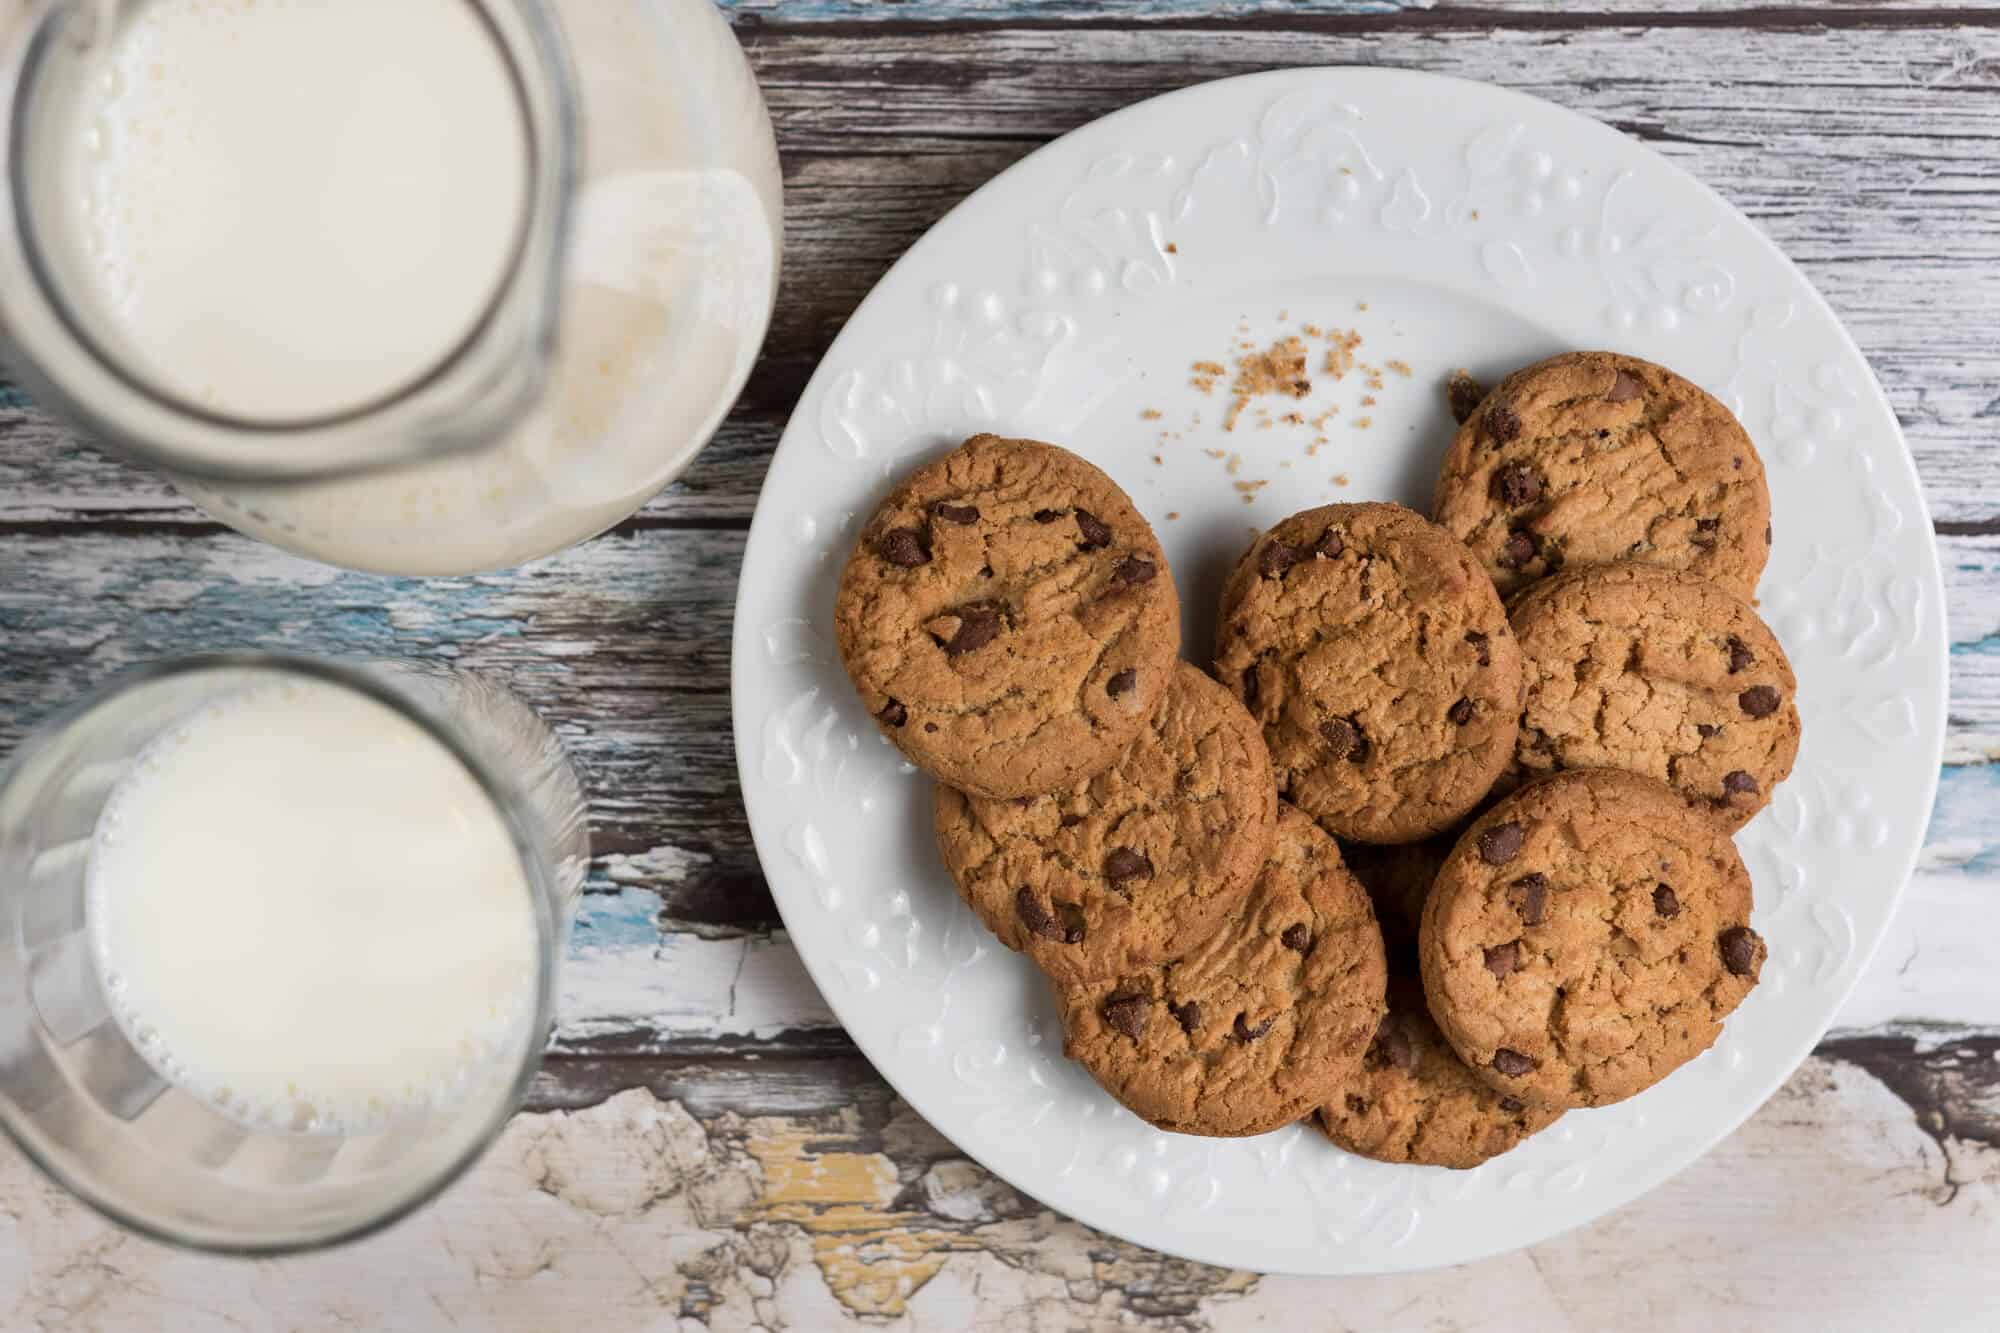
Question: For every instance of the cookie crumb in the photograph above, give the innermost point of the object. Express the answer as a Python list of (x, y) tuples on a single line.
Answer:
[(1150, 414), (1173, 514), (1401, 368), (1173, 249), (1363, 423), (1340, 478)]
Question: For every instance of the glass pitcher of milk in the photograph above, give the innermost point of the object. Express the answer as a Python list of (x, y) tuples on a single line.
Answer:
[(411, 286)]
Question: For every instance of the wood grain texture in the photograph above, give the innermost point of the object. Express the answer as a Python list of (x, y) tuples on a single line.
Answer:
[(1873, 159), (701, 1206), (707, 1149)]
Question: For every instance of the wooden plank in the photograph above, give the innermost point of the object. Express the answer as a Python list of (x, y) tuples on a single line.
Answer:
[(623, 646), (1487, 14), (811, 1199), (1872, 162)]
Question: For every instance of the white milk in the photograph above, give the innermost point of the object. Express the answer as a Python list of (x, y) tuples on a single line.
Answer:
[(296, 207), (308, 915), (671, 277)]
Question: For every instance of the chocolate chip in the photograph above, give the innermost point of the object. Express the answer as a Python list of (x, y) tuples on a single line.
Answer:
[(1127, 1013), (1740, 656), (1356, 1105), (930, 728), (1040, 921), (1344, 739), (1534, 898), (1071, 821), (1187, 1015), (1503, 958), (1395, 1044), (1095, 534), (1275, 559), (1705, 731), (1739, 950), (1122, 682), (1759, 701), (1330, 545), (1517, 550), (1124, 865), (905, 547), (1047, 515), (1460, 713), (1480, 645), (1704, 540), (1666, 902), (1501, 423), (1517, 484), (1250, 688), (1707, 524), (1246, 1034), (1512, 1105), (1739, 783), (963, 515), (1511, 1063), (1133, 571), (1501, 843), (1767, 526), (1297, 938), (978, 625), (1624, 388), (1462, 394), (893, 714)]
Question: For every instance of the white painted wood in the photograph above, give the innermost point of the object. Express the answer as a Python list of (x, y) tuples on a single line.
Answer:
[(802, 1196), (1832, 1209)]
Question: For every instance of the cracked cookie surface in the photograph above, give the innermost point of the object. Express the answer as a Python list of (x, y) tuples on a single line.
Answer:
[(1591, 457), (1656, 672), (1008, 618), (1376, 655), (1413, 1100), (1259, 1025), (1135, 865), (1587, 937)]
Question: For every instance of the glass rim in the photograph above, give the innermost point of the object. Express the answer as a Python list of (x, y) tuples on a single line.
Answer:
[(536, 61), (362, 677)]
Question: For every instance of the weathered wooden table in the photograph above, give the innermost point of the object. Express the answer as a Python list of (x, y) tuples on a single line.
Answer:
[(705, 1148)]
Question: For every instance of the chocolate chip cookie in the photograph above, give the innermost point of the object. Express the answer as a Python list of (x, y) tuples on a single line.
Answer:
[(1413, 1100), (1592, 457), (1376, 656), (1008, 618), (1586, 938), (1135, 865), (1661, 673), (1260, 1025)]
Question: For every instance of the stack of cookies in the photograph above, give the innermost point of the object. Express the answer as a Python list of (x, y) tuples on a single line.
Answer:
[(1536, 795)]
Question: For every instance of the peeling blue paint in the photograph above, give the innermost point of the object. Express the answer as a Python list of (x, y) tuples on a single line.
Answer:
[(1967, 814)]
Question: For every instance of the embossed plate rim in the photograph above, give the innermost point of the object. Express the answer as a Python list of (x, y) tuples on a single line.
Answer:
[(804, 746)]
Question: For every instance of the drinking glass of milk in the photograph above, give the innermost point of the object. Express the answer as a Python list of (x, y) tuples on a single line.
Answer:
[(411, 286), (280, 941)]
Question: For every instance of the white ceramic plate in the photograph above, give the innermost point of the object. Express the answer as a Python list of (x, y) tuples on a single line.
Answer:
[(1450, 224)]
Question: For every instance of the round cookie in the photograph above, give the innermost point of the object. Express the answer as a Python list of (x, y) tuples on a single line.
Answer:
[(1586, 938), (1377, 657), (1134, 865), (1008, 618), (1656, 672), (1592, 457), (1415, 1101), (1258, 1026)]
